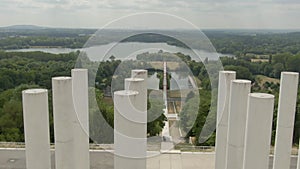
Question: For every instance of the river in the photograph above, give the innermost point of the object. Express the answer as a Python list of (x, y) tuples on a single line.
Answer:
[(128, 50)]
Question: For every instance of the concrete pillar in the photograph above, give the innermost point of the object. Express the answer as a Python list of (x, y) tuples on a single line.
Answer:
[(81, 103), (129, 136), (238, 101), (285, 119), (258, 131), (225, 78), (139, 73), (64, 122), (36, 128), (139, 85)]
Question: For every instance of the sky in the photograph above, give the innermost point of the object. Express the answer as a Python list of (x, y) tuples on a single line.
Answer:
[(169, 14)]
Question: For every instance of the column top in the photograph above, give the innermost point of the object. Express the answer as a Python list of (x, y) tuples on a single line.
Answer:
[(261, 95), (79, 70), (61, 78), (133, 79), (241, 81), (290, 73), (126, 93), (139, 70), (227, 72), (35, 91)]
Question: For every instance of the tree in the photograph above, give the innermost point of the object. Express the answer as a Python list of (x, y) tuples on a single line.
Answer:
[(194, 115), (293, 63), (277, 69), (112, 58), (281, 58), (241, 72), (11, 118), (155, 109)]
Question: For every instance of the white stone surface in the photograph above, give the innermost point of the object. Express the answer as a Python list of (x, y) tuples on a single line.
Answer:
[(36, 128), (238, 101), (285, 119), (64, 121), (80, 96), (129, 136), (139, 85), (139, 73), (81, 103), (225, 78), (258, 131)]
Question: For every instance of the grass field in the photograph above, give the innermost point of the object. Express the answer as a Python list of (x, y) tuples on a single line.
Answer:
[(261, 79)]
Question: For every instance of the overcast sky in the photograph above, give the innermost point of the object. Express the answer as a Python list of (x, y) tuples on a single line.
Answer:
[(250, 14)]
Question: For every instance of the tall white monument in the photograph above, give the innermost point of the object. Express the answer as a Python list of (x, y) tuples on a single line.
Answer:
[(36, 128), (225, 78), (285, 119), (65, 121), (129, 136), (258, 131), (81, 103), (238, 101), (130, 122)]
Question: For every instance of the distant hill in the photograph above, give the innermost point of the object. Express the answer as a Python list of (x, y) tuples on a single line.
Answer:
[(23, 27)]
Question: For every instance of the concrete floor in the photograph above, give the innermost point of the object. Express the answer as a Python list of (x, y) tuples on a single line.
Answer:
[(15, 159)]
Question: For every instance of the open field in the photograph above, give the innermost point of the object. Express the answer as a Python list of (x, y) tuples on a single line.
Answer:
[(263, 79)]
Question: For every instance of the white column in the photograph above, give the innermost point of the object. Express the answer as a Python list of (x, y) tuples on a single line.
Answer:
[(258, 131), (285, 119), (225, 78), (81, 103), (64, 119), (139, 73), (36, 128), (129, 136), (238, 101), (139, 85)]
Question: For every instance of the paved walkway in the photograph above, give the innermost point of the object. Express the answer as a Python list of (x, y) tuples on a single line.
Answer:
[(15, 159)]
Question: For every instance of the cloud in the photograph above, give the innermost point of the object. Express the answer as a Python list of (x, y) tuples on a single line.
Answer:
[(207, 13), (53, 1), (286, 1)]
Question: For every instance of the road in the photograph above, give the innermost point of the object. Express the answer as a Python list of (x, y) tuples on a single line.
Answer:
[(15, 159)]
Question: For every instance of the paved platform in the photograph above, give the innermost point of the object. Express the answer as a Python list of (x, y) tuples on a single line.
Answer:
[(15, 159)]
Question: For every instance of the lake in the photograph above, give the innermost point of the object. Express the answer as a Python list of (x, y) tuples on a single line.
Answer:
[(128, 50)]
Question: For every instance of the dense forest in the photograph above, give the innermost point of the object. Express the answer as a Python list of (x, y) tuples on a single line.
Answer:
[(20, 71)]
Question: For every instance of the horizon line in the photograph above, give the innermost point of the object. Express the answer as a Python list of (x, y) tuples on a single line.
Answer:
[(18, 26)]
